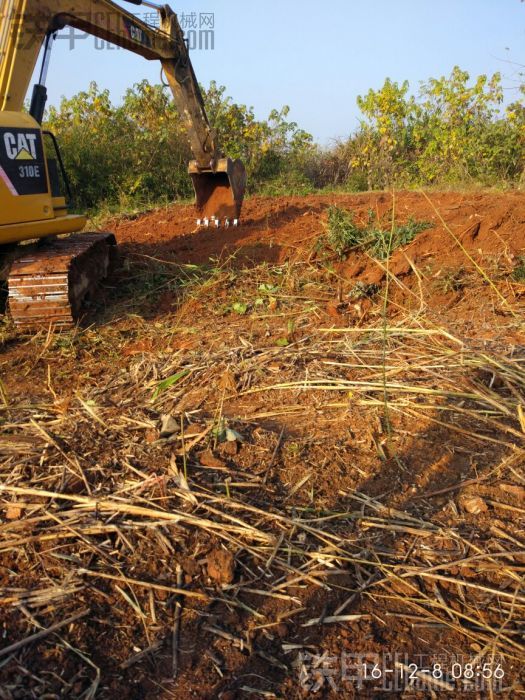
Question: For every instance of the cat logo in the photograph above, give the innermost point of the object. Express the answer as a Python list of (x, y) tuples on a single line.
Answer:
[(20, 146), (22, 161), (136, 33)]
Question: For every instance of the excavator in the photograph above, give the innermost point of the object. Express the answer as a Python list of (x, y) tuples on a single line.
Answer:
[(49, 264)]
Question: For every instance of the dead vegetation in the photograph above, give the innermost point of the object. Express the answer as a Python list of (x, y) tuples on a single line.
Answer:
[(192, 498)]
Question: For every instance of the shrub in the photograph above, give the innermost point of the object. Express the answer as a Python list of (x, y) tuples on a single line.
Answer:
[(343, 234), (454, 131), (518, 274), (138, 152), (377, 238)]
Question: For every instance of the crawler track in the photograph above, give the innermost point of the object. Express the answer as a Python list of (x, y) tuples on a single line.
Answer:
[(49, 284)]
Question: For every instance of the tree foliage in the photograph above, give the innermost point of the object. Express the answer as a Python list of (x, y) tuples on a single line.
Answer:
[(138, 151), (453, 131)]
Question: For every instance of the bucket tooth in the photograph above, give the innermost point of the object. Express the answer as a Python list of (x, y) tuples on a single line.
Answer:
[(220, 192)]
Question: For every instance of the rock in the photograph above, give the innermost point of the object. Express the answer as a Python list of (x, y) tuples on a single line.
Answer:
[(168, 426), (233, 435), (221, 566)]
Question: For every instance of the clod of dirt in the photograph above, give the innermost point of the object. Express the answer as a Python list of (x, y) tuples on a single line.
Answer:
[(333, 309), (516, 491), (229, 448), (190, 566), (228, 695), (281, 630), (221, 566), (473, 504), (227, 381), (13, 512), (471, 233), (208, 459), (152, 435)]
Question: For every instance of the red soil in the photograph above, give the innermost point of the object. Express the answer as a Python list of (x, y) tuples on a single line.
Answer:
[(478, 235), (457, 274)]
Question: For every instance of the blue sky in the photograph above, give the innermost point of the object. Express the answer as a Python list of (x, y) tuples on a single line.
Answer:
[(317, 57)]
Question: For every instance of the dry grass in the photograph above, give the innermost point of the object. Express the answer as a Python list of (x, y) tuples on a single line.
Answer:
[(101, 511)]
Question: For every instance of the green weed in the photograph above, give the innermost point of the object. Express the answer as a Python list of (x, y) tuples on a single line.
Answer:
[(343, 234), (453, 280), (376, 237), (518, 274)]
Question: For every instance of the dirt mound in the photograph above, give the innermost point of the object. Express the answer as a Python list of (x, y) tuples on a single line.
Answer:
[(473, 240), (485, 223)]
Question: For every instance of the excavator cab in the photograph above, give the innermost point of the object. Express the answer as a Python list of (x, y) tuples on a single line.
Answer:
[(219, 193), (31, 182)]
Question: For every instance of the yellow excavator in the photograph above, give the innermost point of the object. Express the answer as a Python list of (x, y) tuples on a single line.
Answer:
[(48, 281)]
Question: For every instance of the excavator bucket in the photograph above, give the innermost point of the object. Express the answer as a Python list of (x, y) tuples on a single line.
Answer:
[(220, 192)]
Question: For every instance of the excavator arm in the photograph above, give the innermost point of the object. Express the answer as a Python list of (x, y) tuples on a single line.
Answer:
[(25, 26)]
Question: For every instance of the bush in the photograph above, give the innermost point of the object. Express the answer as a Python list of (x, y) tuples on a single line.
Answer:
[(518, 274), (455, 132), (377, 238), (343, 234), (136, 153)]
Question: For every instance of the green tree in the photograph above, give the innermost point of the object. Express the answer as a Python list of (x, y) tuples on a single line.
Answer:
[(452, 119), (269, 148), (138, 152), (389, 116), (454, 131)]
